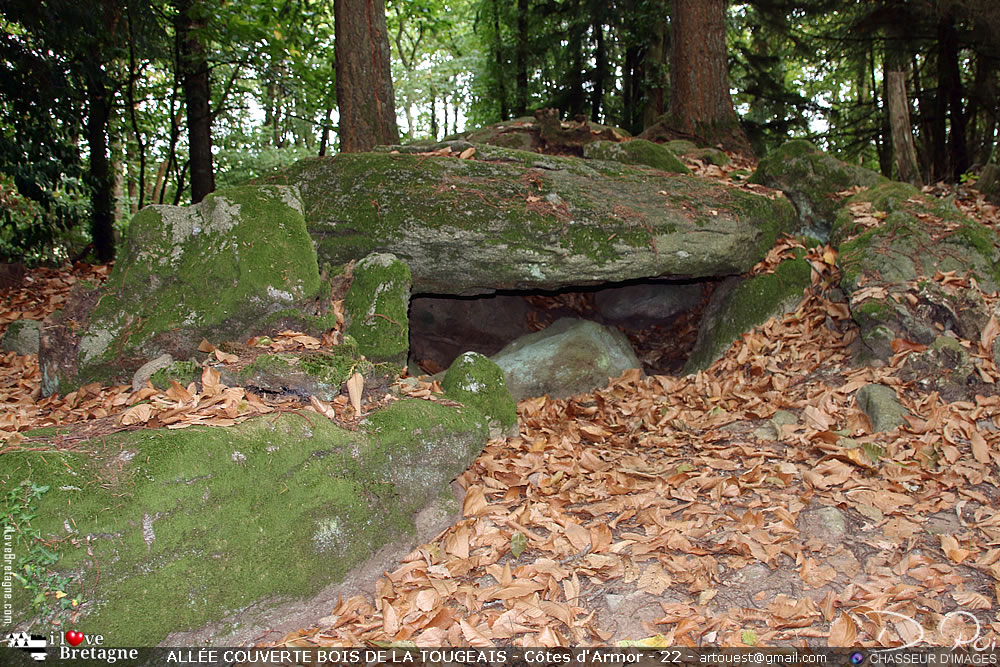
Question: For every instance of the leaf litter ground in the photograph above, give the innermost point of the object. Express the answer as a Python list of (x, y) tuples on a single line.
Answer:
[(749, 504)]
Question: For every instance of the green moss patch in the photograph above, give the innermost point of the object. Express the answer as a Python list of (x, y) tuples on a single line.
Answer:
[(181, 372), (377, 308), (811, 179), (915, 238), (739, 307), (636, 151), (187, 526), (216, 270), (474, 380)]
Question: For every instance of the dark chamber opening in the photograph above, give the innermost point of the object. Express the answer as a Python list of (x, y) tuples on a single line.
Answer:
[(660, 318)]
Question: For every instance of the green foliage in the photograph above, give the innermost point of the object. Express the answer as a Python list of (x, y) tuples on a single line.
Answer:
[(46, 590), (810, 69), (41, 189)]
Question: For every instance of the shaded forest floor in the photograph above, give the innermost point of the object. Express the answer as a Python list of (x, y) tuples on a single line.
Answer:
[(675, 510)]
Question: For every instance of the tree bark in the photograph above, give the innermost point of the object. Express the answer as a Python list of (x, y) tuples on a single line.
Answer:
[(700, 105), (364, 76), (501, 91), (950, 95), (116, 148), (434, 118), (102, 181), (654, 77), (600, 71), (324, 136), (902, 130), (521, 60), (193, 69), (574, 92), (898, 107)]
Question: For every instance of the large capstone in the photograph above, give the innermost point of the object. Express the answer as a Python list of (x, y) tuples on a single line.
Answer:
[(509, 219)]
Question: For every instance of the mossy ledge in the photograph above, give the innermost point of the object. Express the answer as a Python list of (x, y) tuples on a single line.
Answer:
[(189, 526)]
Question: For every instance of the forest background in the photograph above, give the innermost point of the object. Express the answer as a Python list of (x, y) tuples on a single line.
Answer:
[(110, 105)]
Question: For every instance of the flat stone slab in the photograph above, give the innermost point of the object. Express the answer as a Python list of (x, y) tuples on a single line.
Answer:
[(509, 219)]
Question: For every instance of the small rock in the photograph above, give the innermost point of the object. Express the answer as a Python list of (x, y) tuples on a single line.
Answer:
[(783, 418), (943, 523), (479, 383), (614, 601), (827, 524), (989, 182), (376, 308), (22, 337), (569, 357), (879, 403), (146, 371)]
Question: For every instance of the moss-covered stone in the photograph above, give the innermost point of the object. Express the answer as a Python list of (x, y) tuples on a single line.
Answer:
[(739, 305), (637, 151), (22, 337), (916, 238), (474, 380), (811, 179), (179, 528), (681, 146), (377, 307), (316, 373), (880, 404), (711, 156), (706, 154), (181, 372), (216, 270), (509, 219)]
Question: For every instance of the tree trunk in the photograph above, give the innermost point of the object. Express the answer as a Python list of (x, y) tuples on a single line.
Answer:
[(902, 130), (521, 60), (924, 120), (600, 72), (364, 76), (193, 70), (118, 170), (898, 107), (501, 91), (654, 76), (883, 139), (574, 98), (324, 136), (156, 196), (444, 110), (950, 95), (434, 118), (700, 105), (102, 182)]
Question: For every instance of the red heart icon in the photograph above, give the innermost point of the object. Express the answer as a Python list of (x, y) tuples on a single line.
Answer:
[(74, 637)]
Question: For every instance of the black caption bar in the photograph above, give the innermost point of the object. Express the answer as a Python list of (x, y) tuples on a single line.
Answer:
[(65, 656)]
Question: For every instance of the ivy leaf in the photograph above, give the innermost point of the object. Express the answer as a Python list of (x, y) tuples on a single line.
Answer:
[(518, 543)]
